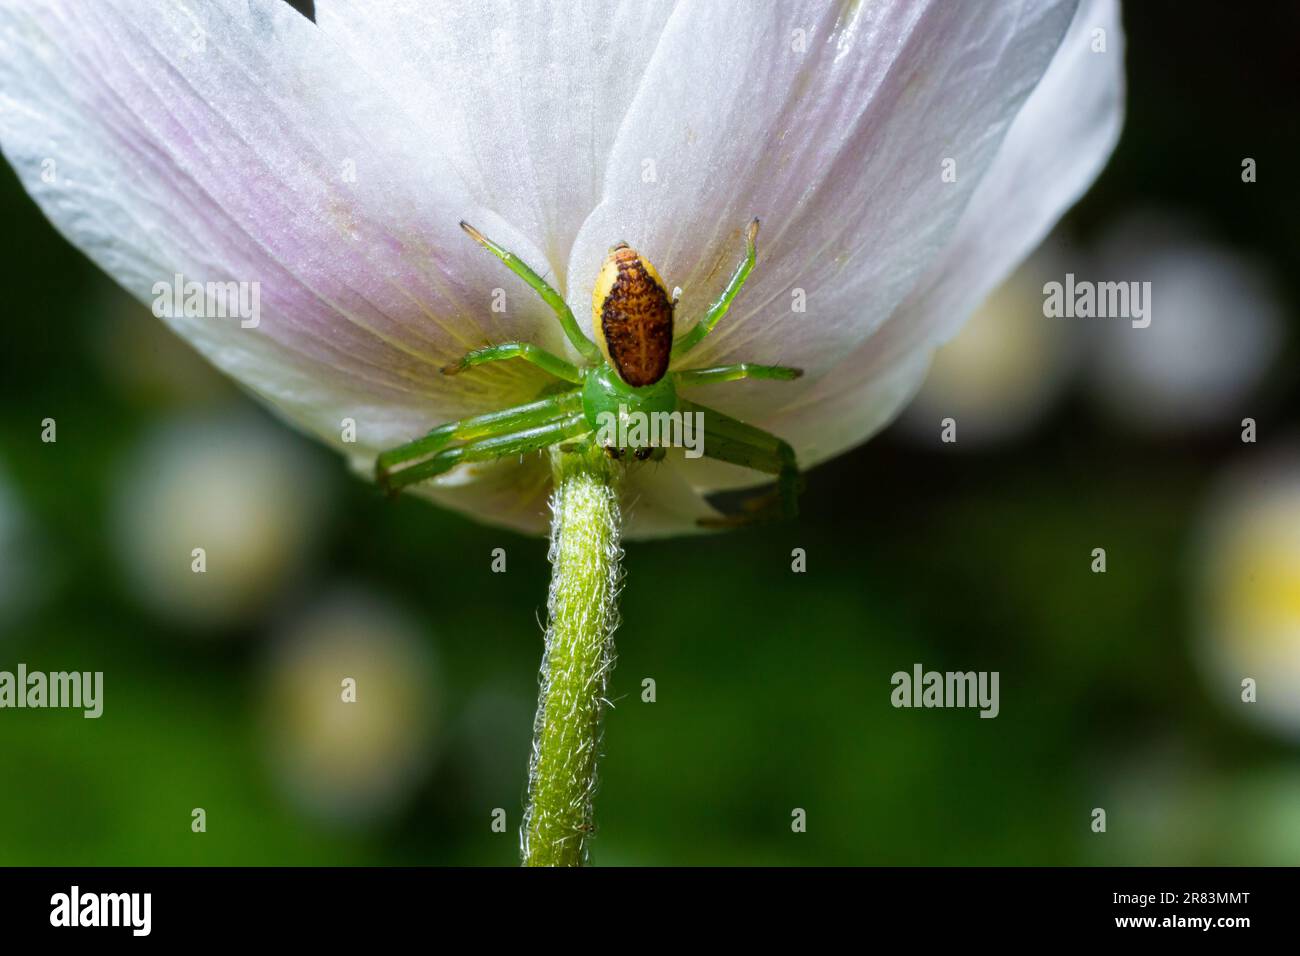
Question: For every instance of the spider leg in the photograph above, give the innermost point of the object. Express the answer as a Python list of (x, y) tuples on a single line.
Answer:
[(501, 422), (585, 346), (732, 373), (730, 440), (532, 354), (510, 443), (719, 308)]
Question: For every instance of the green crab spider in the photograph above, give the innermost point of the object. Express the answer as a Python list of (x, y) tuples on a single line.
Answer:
[(628, 370)]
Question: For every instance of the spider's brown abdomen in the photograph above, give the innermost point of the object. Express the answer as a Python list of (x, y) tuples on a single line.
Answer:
[(632, 316)]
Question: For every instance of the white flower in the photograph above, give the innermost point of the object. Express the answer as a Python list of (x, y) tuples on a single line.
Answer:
[(225, 493), (349, 701), (1217, 327), (234, 140), (1247, 589)]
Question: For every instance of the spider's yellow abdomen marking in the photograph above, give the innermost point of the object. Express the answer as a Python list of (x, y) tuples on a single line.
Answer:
[(632, 316)]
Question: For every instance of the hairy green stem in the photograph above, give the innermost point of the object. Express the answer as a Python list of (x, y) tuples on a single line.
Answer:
[(576, 663)]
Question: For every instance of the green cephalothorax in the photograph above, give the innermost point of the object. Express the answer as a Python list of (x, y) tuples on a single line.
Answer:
[(626, 375), (605, 393)]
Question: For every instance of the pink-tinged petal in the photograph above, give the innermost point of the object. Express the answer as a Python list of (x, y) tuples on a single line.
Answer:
[(237, 141), (1054, 150), (232, 141)]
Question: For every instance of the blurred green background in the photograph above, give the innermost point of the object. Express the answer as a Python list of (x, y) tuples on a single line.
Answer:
[(1118, 690)]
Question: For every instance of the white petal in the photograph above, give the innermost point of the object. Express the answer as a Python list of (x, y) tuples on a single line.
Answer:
[(515, 493), (834, 138), (658, 500), (1055, 148), (525, 99), (507, 493)]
